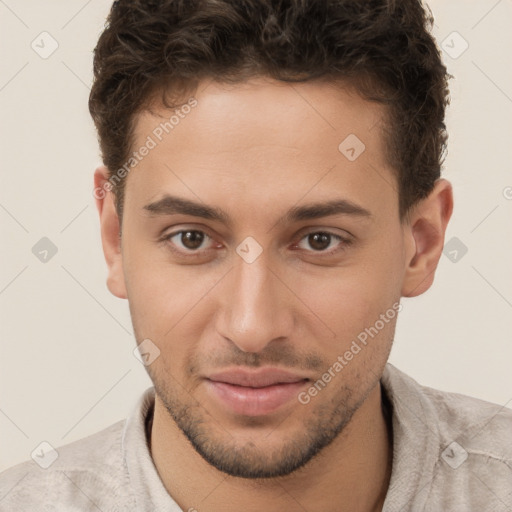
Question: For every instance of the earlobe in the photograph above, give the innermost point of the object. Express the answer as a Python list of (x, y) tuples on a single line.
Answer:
[(426, 232), (110, 232)]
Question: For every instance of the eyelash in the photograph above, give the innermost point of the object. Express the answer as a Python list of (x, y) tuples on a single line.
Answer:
[(345, 242)]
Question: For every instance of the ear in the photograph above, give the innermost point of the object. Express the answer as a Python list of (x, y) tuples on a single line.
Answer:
[(110, 232), (425, 232)]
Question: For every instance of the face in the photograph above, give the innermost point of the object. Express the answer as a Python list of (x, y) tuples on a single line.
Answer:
[(265, 262)]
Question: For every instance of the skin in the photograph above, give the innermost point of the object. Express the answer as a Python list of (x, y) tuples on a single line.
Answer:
[(255, 150)]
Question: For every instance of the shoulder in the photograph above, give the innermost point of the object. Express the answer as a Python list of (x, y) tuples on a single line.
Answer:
[(475, 459), (470, 440), (85, 473), (479, 426), (453, 414)]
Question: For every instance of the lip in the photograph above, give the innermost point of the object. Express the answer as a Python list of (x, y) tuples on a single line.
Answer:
[(256, 378), (254, 393)]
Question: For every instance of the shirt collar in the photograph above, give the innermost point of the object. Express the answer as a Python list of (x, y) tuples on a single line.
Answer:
[(145, 481), (416, 441)]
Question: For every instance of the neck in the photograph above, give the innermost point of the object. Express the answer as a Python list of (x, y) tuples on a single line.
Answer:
[(352, 473)]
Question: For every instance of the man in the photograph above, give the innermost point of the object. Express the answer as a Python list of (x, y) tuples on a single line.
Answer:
[(271, 189)]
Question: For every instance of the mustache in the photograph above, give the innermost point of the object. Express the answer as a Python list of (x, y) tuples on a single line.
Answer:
[(283, 356)]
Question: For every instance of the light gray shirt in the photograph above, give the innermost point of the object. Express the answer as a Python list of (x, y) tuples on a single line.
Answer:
[(451, 453)]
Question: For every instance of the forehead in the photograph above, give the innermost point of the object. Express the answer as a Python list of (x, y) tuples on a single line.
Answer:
[(264, 141)]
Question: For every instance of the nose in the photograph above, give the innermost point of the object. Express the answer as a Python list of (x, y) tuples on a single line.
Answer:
[(256, 306)]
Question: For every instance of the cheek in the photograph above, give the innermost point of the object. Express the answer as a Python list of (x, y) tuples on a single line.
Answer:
[(164, 297), (349, 301), (344, 305), (363, 317)]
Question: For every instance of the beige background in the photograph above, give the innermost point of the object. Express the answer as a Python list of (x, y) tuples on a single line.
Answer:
[(66, 363)]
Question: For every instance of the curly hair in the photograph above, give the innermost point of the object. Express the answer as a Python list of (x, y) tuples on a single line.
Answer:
[(383, 48)]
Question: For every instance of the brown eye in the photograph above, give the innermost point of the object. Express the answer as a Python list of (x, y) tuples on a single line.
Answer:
[(187, 239), (320, 241), (192, 239)]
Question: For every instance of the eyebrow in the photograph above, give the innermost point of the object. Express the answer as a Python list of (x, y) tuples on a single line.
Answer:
[(170, 205)]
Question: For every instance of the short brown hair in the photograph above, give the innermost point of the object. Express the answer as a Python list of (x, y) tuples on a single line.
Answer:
[(382, 47)]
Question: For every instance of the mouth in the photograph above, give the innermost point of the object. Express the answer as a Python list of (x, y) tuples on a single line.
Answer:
[(254, 393)]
